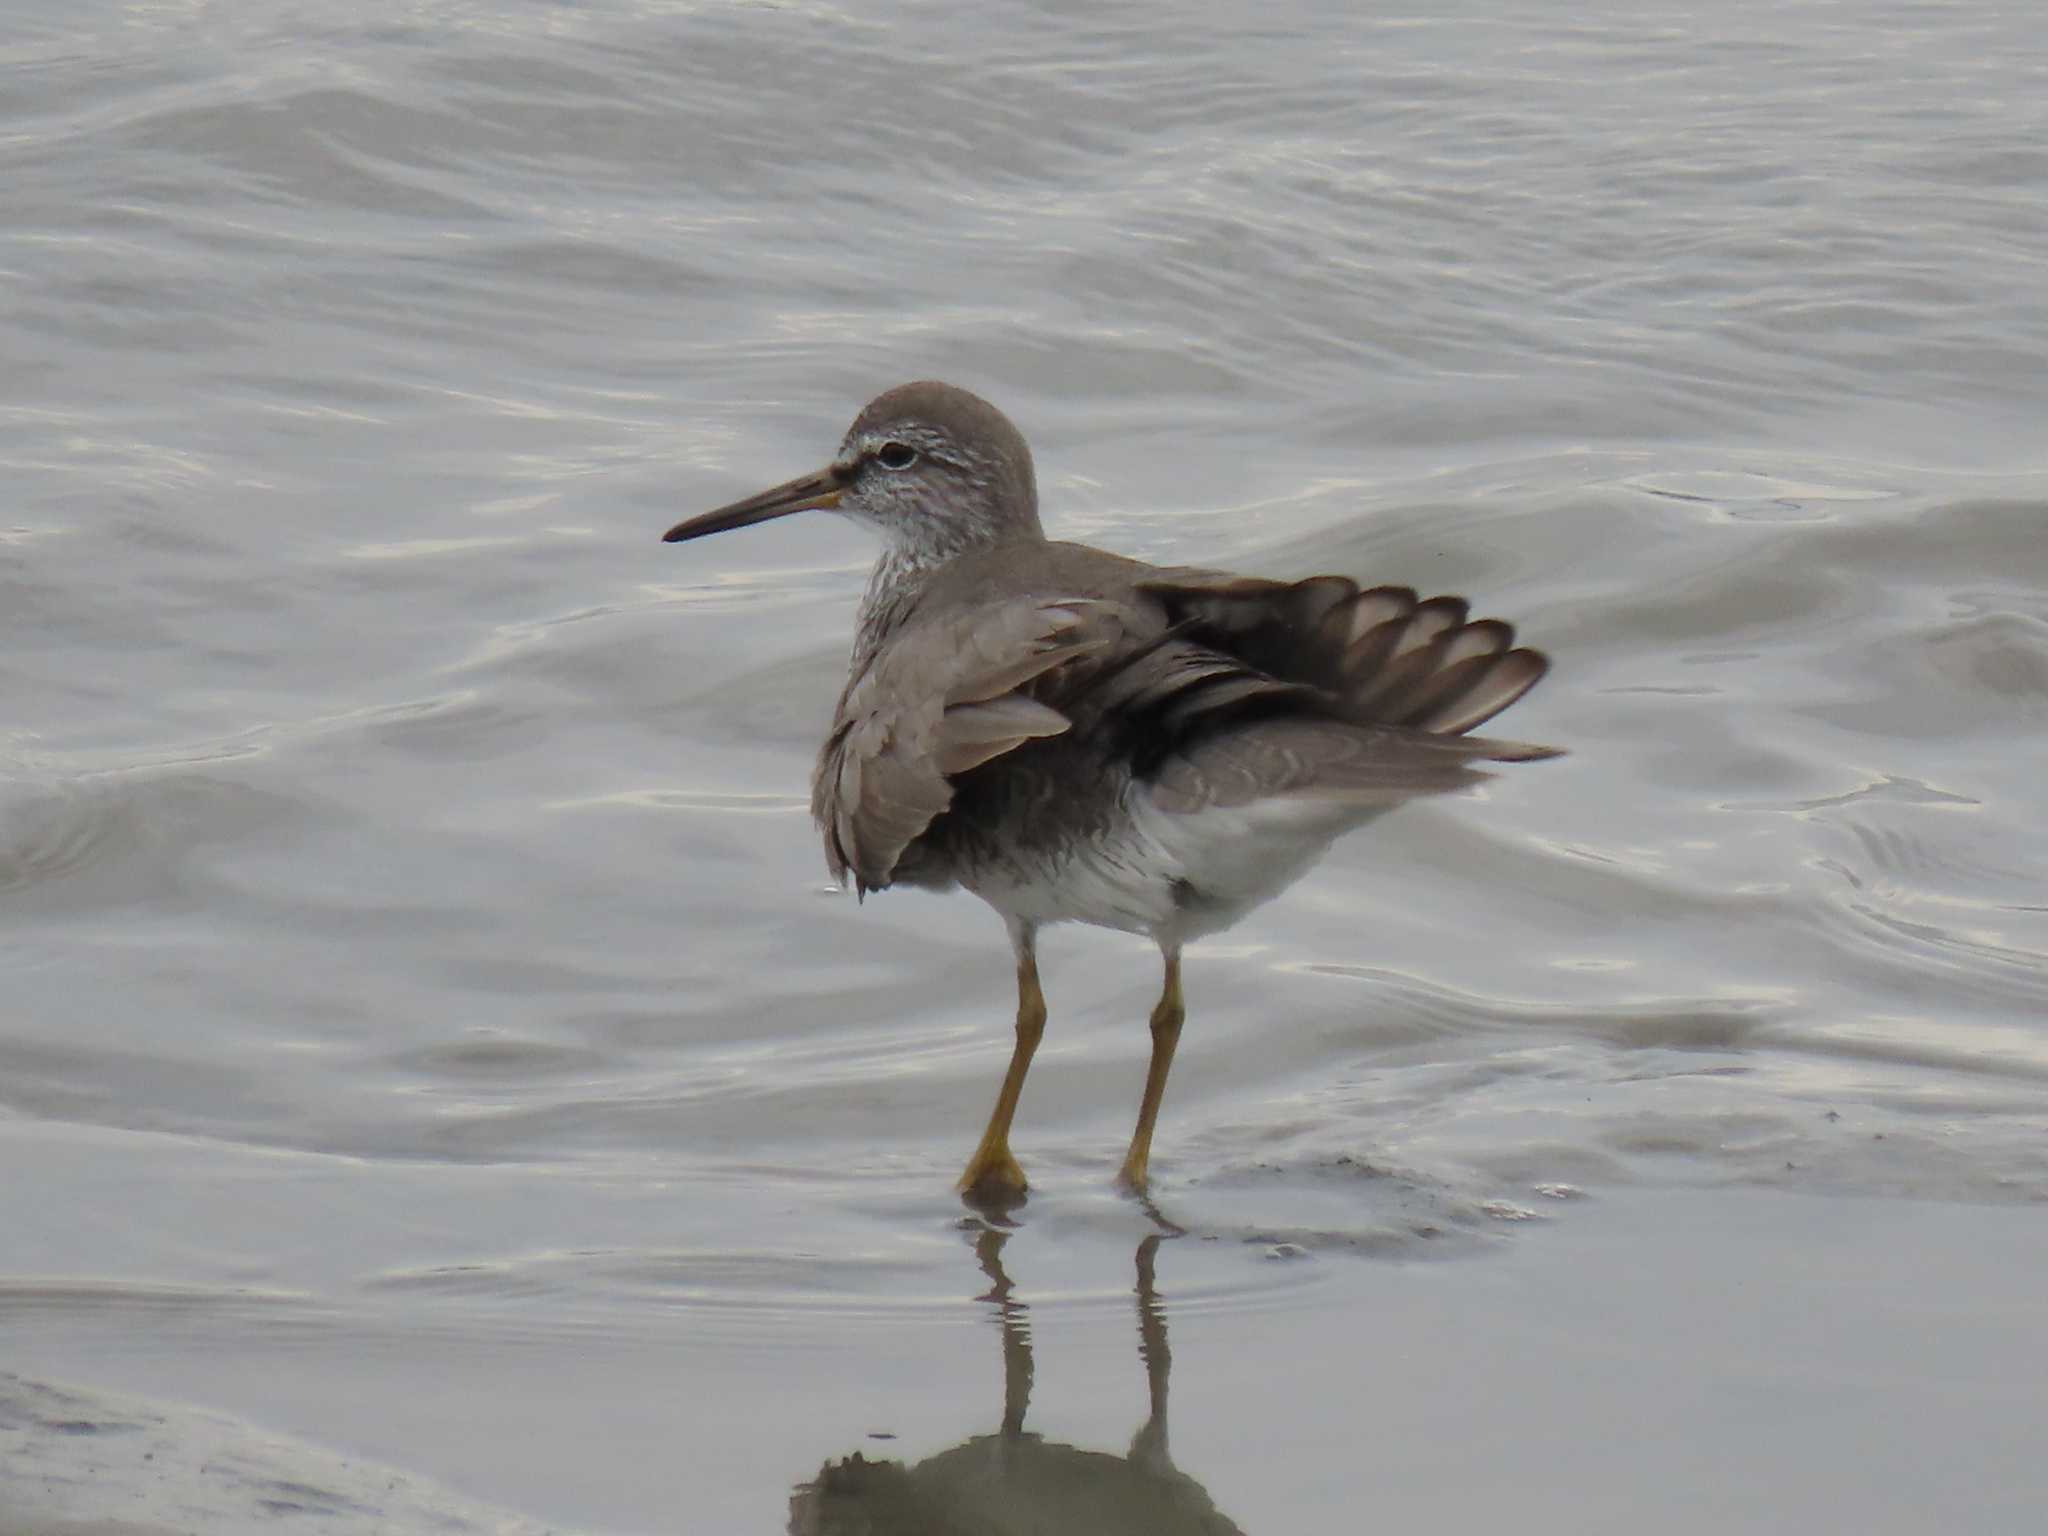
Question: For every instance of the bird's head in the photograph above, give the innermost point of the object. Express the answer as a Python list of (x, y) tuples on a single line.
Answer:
[(935, 470)]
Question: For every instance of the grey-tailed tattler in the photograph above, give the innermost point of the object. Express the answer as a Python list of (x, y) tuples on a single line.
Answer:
[(1075, 736)]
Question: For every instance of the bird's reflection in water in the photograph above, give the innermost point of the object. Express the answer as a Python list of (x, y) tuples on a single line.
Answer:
[(1012, 1482)]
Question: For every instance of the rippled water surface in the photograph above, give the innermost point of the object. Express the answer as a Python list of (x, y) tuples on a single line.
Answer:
[(437, 1087)]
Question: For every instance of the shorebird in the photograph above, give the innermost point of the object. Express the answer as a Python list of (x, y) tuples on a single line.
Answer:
[(1074, 736)]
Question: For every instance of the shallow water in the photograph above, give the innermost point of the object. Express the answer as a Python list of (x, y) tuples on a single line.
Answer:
[(431, 1055)]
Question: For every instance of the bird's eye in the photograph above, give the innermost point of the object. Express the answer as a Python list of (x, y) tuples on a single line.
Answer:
[(895, 456)]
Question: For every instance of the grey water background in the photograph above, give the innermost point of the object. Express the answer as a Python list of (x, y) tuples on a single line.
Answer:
[(435, 1083)]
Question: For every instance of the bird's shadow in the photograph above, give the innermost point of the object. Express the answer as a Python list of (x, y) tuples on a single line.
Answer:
[(1010, 1480)]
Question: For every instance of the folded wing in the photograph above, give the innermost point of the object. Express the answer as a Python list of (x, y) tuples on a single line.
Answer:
[(1213, 690), (941, 698)]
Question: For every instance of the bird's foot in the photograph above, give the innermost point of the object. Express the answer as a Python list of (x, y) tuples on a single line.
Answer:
[(1131, 1178), (993, 1181)]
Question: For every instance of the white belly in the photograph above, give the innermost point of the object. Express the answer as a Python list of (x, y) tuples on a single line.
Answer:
[(1172, 876)]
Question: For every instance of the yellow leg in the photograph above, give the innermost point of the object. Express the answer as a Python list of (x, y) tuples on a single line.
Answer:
[(992, 1175), (1166, 1021)]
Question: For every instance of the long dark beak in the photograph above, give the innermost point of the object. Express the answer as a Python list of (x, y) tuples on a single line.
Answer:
[(799, 495)]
